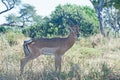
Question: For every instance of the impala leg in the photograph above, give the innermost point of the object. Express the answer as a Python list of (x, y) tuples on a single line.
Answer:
[(23, 63), (25, 60), (57, 63)]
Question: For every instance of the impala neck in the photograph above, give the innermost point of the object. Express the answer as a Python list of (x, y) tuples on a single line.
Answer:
[(71, 39)]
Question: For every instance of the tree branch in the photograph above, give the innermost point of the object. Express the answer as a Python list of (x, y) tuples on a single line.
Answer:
[(9, 6)]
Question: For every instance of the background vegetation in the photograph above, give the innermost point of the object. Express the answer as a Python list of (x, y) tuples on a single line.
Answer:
[(93, 57)]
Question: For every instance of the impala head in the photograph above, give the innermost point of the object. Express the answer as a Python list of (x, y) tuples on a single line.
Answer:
[(75, 31)]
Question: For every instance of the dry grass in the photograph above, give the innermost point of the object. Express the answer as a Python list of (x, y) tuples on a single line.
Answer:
[(81, 62)]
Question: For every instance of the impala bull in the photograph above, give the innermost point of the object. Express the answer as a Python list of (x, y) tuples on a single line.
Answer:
[(45, 46)]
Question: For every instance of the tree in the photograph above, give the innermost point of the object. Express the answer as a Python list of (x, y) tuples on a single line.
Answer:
[(39, 29), (115, 13), (111, 19), (72, 14), (63, 16), (9, 4), (99, 5), (26, 15), (12, 20)]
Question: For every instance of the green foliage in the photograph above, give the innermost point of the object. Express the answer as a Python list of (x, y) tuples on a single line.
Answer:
[(12, 37), (116, 4), (12, 19), (84, 16), (27, 16), (42, 29), (63, 16), (27, 12), (35, 31), (3, 30)]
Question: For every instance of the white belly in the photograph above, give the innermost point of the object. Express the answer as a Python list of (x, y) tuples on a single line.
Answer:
[(48, 51)]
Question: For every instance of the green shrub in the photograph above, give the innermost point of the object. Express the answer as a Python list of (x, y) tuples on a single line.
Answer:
[(3, 30), (12, 37), (33, 31)]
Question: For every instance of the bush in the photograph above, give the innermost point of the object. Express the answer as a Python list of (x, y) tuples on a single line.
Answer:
[(12, 37), (38, 31), (3, 30), (32, 32)]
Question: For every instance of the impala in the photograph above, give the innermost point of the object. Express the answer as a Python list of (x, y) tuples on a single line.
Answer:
[(45, 46)]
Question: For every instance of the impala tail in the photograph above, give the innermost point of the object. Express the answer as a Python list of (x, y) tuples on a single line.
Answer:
[(25, 47)]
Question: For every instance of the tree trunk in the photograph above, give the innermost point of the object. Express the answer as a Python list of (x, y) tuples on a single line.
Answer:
[(99, 8), (100, 22)]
